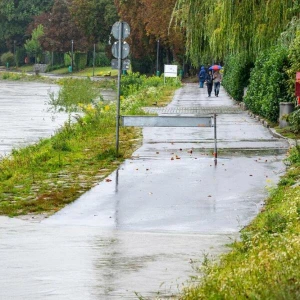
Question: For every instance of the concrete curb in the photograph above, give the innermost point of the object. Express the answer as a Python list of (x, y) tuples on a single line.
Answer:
[(265, 123)]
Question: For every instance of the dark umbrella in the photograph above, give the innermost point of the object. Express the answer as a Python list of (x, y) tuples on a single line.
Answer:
[(215, 67)]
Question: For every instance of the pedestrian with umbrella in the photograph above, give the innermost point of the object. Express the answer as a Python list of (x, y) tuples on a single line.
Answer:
[(209, 82), (217, 78)]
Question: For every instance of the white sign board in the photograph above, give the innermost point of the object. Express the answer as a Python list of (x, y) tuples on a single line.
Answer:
[(170, 70)]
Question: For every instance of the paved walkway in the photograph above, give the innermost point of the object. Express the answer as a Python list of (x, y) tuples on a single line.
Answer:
[(143, 231)]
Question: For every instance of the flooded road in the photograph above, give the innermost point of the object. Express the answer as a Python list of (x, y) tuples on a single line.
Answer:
[(24, 114), (144, 230)]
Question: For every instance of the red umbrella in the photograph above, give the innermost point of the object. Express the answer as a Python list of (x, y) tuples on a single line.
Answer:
[(215, 67)]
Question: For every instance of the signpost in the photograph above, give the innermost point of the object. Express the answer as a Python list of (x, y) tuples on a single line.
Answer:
[(170, 71), (120, 51), (125, 64)]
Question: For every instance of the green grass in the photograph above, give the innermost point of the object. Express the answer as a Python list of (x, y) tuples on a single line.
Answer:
[(287, 132), (25, 68), (265, 264), (61, 71), (44, 177), (99, 71)]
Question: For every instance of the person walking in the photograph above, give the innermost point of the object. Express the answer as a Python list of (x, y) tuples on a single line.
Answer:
[(202, 75), (209, 82), (217, 82)]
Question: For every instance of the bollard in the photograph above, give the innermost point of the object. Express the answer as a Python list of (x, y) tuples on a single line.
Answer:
[(285, 108)]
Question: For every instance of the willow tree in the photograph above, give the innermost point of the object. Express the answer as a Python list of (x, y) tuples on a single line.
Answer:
[(216, 28)]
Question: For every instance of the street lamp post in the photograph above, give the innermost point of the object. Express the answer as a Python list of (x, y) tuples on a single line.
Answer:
[(15, 53), (157, 58), (72, 56), (94, 55)]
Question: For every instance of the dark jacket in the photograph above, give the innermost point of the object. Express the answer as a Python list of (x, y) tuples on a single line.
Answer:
[(202, 74), (209, 78)]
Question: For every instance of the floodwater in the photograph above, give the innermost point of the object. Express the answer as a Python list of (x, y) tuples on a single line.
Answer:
[(146, 229), (25, 117)]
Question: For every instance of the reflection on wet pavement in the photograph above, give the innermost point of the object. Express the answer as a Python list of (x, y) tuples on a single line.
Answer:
[(144, 231), (78, 262)]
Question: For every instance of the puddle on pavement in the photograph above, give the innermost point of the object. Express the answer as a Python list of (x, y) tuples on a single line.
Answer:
[(77, 262)]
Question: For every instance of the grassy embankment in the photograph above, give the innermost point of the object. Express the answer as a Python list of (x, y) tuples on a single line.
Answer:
[(265, 263), (98, 71), (44, 177)]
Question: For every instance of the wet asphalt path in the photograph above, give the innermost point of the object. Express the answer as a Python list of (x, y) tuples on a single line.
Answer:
[(143, 231)]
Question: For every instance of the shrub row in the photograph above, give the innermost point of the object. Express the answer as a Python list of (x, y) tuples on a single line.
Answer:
[(270, 80)]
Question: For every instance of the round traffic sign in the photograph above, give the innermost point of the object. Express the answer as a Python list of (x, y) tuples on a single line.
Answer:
[(115, 50), (116, 30)]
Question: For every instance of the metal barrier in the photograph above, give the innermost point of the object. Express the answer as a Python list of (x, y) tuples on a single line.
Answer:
[(173, 121)]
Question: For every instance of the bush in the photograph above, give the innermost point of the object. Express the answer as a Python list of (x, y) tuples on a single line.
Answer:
[(80, 61), (7, 57), (101, 60), (236, 75), (294, 121), (73, 93), (293, 55), (54, 67), (268, 83), (132, 83)]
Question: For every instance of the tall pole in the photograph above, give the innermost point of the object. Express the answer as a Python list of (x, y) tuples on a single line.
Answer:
[(119, 85), (15, 53), (72, 49), (157, 58), (94, 55), (215, 138)]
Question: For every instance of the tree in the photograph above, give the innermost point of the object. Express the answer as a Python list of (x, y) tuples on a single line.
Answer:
[(150, 21), (33, 46), (95, 18), (60, 30), (158, 24), (15, 15), (216, 28)]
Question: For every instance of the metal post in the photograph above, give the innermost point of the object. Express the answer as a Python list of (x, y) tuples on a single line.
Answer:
[(157, 58), (94, 55), (15, 53), (119, 86), (215, 138), (72, 49)]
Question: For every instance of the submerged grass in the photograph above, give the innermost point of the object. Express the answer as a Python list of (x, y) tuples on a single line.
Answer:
[(265, 263), (44, 177)]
